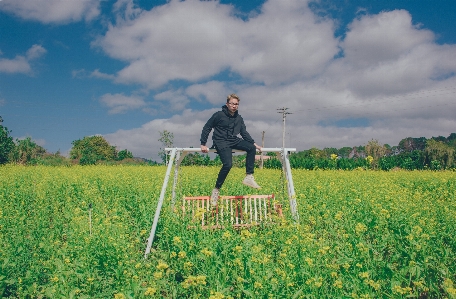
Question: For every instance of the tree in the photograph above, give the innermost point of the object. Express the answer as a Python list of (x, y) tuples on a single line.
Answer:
[(27, 151), (330, 151), (410, 144), (439, 154), (376, 151), (344, 151), (91, 150), (167, 140), (124, 154), (6, 143)]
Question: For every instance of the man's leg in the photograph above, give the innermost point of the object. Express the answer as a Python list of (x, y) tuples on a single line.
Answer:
[(250, 149), (227, 160)]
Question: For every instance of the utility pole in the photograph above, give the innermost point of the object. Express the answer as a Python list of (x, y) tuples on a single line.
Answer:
[(284, 112), (262, 145)]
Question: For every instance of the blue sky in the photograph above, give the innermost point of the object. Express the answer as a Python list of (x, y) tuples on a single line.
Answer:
[(349, 71)]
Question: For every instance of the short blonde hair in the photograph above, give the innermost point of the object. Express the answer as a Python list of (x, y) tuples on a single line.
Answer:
[(232, 96)]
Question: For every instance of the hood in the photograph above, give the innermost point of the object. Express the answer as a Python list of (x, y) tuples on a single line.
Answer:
[(227, 112)]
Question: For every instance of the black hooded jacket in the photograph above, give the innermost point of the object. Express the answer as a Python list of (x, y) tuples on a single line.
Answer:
[(226, 128)]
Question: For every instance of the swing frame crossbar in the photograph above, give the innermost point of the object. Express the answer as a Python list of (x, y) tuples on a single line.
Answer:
[(176, 155)]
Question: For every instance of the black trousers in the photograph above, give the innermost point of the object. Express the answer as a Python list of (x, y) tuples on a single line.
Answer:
[(226, 156)]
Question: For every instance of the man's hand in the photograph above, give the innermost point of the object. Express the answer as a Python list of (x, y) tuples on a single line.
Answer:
[(204, 149), (258, 147)]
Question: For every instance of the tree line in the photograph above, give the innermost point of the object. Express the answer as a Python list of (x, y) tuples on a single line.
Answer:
[(86, 151), (411, 153)]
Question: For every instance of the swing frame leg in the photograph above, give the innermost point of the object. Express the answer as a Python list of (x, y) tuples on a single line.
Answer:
[(182, 152)]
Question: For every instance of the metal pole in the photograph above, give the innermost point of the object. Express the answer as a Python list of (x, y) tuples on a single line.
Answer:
[(160, 203), (262, 145), (179, 157), (283, 130), (291, 190), (176, 174)]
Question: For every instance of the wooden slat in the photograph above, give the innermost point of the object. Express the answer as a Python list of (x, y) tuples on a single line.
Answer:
[(238, 211)]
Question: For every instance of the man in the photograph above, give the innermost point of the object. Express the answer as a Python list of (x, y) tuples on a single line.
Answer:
[(227, 124)]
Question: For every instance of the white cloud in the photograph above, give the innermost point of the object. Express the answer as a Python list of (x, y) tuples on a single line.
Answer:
[(284, 43), (392, 75), (52, 11), (186, 127), (176, 100), (97, 74), (21, 64), (16, 65), (143, 141), (36, 51), (374, 39), (193, 40), (212, 92), (385, 55), (119, 103)]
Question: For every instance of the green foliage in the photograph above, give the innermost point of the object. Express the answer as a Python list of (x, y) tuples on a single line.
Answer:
[(81, 232), (344, 152), (199, 159), (6, 143), (27, 151), (124, 154), (410, 144), (376, 151), (91, 150), (167, 140), (439, 155), (49, 159)]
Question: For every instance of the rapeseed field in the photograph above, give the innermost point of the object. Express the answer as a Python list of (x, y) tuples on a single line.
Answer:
[(81, 232)]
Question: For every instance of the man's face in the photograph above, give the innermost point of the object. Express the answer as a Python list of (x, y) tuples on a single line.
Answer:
[(233, 105)]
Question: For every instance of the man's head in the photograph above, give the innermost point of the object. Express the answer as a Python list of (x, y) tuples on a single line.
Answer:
[(232, 96), (232, 102)]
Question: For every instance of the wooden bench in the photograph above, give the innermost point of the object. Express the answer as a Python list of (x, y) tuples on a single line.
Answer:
[(237, 211)]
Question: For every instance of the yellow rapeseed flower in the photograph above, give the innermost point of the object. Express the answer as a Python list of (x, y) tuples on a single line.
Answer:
[(338, 284), (216, 295), (309, 261), (177, 240), (150, 291), (207, 252), (188, 265), (360, 228), (162, 265)]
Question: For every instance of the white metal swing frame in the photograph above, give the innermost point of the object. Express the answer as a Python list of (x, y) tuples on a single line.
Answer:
[(178, 154)]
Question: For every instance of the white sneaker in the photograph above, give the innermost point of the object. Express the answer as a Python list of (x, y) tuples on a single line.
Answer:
[(249, 180), (214, 197)]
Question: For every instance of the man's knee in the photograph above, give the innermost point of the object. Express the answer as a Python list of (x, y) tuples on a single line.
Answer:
[(251, 148), (227, 165)]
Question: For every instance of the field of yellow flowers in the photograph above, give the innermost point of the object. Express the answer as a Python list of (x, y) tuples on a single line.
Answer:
[(80, 232)]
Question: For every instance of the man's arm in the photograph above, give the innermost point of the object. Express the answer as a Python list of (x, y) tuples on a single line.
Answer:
[(244, 134), (205, 132)]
